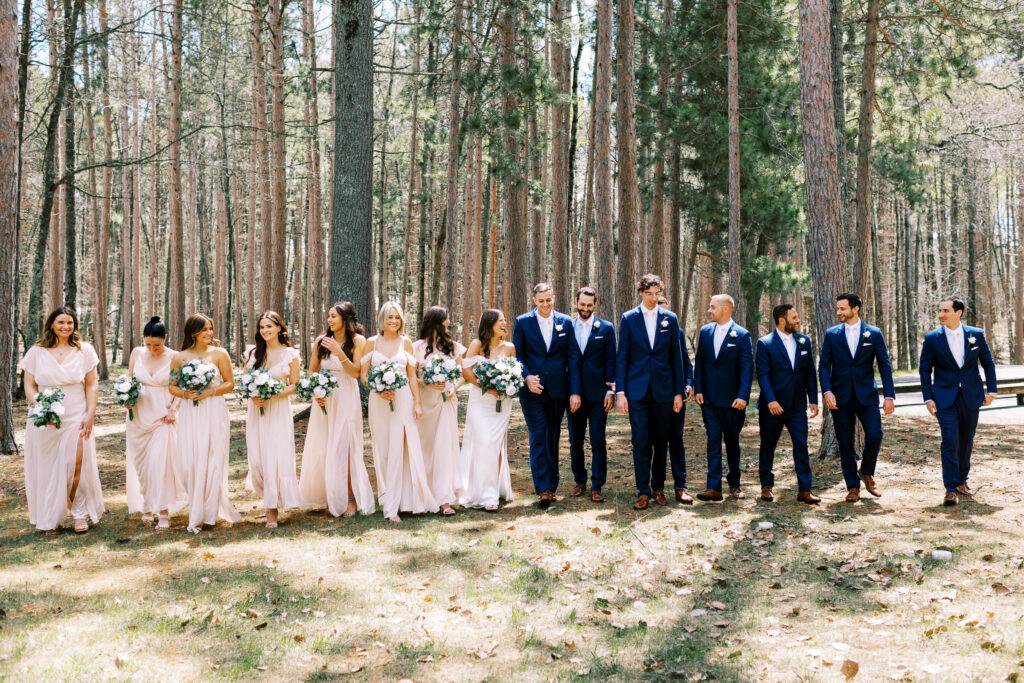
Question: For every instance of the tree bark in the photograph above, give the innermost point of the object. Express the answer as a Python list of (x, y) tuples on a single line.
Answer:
[(659, 263), (821, 170), (175, 236), (1018, 300), (409, 263), (351, 227), (735, 239), (515, 247), (278, 225), (604, 253), (865, 122), (451, 212), (560, 175), (9, 184), (315, 252), (625, 137)]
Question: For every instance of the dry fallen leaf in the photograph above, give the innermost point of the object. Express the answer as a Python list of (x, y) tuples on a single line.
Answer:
[(850, 669), (717, 605), (721, 623)]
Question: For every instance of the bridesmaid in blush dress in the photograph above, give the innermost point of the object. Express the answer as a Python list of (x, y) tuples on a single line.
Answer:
[(204, 430), (397, 457), (61, 475), (151, 436), (439, 424), (269, 430), (484, 453), (333, 471)]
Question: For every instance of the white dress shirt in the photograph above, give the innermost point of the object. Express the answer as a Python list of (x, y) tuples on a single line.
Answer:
[(547, 328), (720, 331), (790, 343), (852, 337), (651, 322), (955, 339), (582, 329)]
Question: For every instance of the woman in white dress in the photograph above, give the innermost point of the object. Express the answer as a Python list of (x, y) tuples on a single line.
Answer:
[(439, 424), (333, 471), (204, 430), (269, 431), (402, 484), (484, 453), (61, 475), (151, 435)]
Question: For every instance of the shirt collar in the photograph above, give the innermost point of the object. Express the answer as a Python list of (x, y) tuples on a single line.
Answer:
[(547, 319), (782, 335), (956, 330), (727, 324), (855, 326), (653, 311), (585, 323)]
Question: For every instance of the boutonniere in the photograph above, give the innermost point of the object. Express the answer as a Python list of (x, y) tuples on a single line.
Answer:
[(866, 334), (558, 328), (664, 323), (972, 339), (597, 324), (732, 334), (801, 341)]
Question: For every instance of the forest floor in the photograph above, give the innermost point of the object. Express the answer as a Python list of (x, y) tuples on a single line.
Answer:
[(579, 591)]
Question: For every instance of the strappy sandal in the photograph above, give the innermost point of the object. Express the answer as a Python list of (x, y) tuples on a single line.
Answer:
[(164, 523), (81, 525), (491, 508), (394, 520), (147, 518), (351, 510), (447, 510)]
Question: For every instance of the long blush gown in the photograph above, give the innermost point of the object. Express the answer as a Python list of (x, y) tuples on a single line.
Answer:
[(484, 453), (204, 440), (151, 445), (397, 456), (51, 452), (270, 441), (333, 451), (439, 433)]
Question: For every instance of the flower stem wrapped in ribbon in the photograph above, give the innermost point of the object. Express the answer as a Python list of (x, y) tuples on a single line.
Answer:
[(504, 375), (48, 407), (440, 369), (196, 375), (388, 376), (317, 385), (259, 384), (126, 390)]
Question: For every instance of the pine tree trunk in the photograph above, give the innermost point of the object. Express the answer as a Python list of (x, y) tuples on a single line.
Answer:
[(560, 176), (409, 263), (175, 235), (735, 239), (70, 213), (604, 253), (1018, 299), (314, 249), (99, 297), (451, 212), (625, 137), (351, 227), (9, 184), (865, 122), (515, 247), (278, 163)]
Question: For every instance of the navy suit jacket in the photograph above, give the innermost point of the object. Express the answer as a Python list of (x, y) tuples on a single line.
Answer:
[(949, 378), (558, 366), (597, 361), (793, 387), (639, 367), (850, 377), (727, 377)]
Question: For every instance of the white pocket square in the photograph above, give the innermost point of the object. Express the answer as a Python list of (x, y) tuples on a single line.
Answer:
[(803, 353), (867, 344), (729, 345)]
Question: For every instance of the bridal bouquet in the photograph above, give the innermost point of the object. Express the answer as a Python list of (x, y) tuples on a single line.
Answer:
[(126, 390), (259, 384), (196, 375), (48, 407), (504, 375), (317, 385), (388, 376), (439, 369)]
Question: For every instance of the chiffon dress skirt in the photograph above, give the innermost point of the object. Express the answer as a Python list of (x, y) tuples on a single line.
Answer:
[(151, 446), (51, 458), (204, 438), (270, 444), (484, 453), (439, 434), (397, 457), (333, 452)]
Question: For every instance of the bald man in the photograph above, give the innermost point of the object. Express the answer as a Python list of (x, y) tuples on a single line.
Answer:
[(723, 366)]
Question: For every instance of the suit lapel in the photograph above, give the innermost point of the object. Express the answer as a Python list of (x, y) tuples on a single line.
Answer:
[(943, 344), (841, 334), (781, 348), (709, 341)]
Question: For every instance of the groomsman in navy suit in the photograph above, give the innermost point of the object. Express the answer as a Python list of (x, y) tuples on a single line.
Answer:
[(595, 340), (846, 368), (952, 390), (676, 447), (650, 381), (785, 372), (723, 367), (545, 346)]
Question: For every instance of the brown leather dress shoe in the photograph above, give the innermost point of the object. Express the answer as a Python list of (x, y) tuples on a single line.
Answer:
[(964, 490), (683, 496), (869, 484), (950, 499), (659, 498), (737, 493), (710, 495), (544, 500), (766, 493), (596, 496), (808, 497), (578, 490), (642, 502), (853, 495)]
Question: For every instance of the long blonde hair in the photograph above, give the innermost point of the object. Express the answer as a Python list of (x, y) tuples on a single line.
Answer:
[(385, 311)]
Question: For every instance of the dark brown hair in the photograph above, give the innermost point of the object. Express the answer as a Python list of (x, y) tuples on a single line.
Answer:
[(260, 355), (48, 339), (194, 324), (647, 281), (586, 290), (432, 330), (352, 327), (485, 331)]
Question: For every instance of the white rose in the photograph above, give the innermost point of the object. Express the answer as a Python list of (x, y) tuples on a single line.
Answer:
[(36, 410), (321, 380), (122, 387), (123, 397), (261, 380), (517, 370), (47, 393), (57, 408), (304, 383), (511, 391), (187, 370), (389, 377), (449, 365), (319, 392)]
